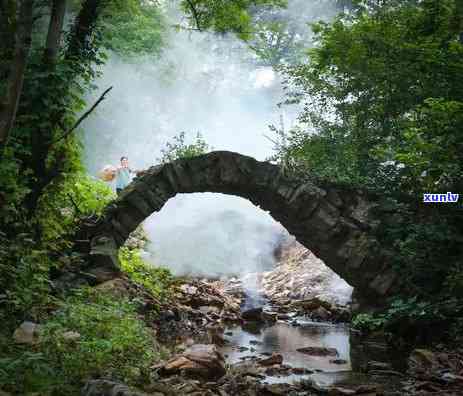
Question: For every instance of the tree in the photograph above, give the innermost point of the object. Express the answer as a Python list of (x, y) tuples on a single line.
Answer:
[(378, 90), (17, 68), (382, 109), (47, 80)]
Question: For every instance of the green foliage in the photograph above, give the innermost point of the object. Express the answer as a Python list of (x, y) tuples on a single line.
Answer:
[(367, 322), (179, 149), (26, 370), (383, 91), (426, 253), (24, 277), (318, 153), (39, 158), (113, 343), (113, 340), (430, 147), (156, 280), (412, 317), (224, 16), (133, 28), (64, 203), (382, 99), (276, 44), (24, 263), (12, 187)]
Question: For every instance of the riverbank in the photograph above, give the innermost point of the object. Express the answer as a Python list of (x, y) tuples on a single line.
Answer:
[(260, 334), (218, 349), (213, 343)]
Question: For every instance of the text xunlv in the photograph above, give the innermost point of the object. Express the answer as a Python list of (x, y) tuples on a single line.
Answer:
[(439, 198)]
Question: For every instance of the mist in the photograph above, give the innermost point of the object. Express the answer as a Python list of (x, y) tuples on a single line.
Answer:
[(212, 85), (235, 237)]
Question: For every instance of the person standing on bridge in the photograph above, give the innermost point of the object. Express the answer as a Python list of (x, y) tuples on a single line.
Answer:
[(124, 175)]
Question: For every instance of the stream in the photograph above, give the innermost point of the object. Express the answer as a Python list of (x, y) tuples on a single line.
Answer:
[(254, 339)]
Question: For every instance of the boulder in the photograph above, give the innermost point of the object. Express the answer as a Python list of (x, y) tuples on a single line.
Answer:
[(199, 360), (269, 316), (338, 361), (188, 289), (422, 360), (247, 369), (275, 389), (341, 391), (301, 371), (312, 304), (71, 336), (101, 273), (200, 294), (254, 314), (321, 314), (318, 351), (116, 287), (276, 358), (373, 365), (27, 333)]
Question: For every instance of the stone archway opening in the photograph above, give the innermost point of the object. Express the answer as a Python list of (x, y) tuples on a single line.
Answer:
[(219, 236)]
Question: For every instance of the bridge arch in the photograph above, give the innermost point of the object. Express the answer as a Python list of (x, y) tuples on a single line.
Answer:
[(335, 223)]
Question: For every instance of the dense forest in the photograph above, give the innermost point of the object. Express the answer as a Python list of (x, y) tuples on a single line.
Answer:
[(379, 90)]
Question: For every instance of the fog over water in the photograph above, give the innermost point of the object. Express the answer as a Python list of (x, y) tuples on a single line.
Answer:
[(207, 84)]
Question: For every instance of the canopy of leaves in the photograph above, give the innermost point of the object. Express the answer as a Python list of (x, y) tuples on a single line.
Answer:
[(382, 100), (224, 16), (133, 27), (384, 89)]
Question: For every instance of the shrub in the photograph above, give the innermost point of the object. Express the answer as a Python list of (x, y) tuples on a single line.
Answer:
[(23, 370), (156, 279), (367, 322), (78, 195), (179, 149), (24, 278), (113, 341)]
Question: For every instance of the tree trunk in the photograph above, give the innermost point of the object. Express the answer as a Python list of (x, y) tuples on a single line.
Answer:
[(83, 29), (18, 67), (80, 43), (55, 28), (7, 29)]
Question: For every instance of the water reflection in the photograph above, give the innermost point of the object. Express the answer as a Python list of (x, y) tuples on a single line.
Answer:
[(285, 338)]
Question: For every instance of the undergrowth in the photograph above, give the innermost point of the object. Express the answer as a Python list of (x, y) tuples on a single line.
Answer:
[(113, 342)]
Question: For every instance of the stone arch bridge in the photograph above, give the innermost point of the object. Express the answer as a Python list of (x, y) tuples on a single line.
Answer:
[(335, 223)]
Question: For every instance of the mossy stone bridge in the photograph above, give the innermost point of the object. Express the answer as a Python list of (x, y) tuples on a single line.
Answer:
[(336, 223)]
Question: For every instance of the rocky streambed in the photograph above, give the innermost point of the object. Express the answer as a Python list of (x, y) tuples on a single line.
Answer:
[(283, 344), (222, 346), (270, 334), (283, 332)]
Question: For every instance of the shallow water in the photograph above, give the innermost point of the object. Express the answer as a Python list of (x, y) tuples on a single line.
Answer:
[(285, 338)]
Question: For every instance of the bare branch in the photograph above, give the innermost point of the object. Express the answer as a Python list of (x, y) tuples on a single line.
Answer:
[(82, 117), (271, 140), (76, 207)]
